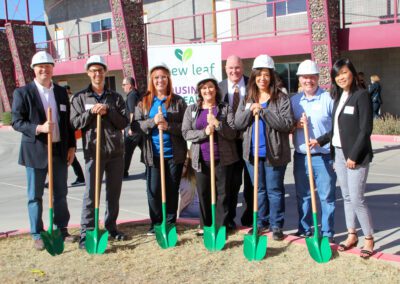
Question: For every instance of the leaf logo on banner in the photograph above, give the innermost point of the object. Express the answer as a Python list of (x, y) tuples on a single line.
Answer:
[(183, 55)]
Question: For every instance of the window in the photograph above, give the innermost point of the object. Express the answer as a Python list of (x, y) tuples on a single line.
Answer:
[(285, 8), (110, 83), (287, 72), (99, 26)]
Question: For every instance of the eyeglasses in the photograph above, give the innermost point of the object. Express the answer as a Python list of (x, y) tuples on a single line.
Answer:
[(100, 71)]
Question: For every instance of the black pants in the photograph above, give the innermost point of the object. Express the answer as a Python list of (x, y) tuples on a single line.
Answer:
[(234, 183), (131, 142), (203, 181), (173, 174), (112, 167), (76, 166)]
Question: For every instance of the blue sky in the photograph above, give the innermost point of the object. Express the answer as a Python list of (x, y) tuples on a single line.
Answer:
[(36, 11)]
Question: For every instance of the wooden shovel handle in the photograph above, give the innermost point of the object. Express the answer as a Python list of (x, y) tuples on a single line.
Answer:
[(162, 164), (310, 170), (256, 146), (98, 144), (212, 164), (50, 158)]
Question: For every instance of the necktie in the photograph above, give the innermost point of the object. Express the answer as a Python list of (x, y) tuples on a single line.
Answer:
[(236, 98)]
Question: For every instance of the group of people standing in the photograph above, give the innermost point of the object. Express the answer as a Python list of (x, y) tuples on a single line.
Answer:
[(340, 126)]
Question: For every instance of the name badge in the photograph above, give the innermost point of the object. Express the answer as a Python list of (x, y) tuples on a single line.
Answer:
[(316, 107), (193, 114), (349, 110), (63, 108), (88, 106), (248, 105)]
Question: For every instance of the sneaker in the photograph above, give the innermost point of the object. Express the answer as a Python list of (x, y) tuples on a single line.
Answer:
[(277, 234), (331, 240), (38, 245), (68, 238), (303, 234), (78, 182), (118, 236), (151, 232), (82, 242)]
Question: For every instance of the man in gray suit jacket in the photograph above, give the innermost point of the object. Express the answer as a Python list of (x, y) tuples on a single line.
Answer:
[(233, 89), (29, 117)]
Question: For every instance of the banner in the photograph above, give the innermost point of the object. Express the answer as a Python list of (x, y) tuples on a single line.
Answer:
[(187, 62)]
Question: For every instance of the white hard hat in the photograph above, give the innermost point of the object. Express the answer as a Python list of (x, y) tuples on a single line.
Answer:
[(307, 67), (95, 59), (159, 65), (263, 61), (42, 57), (207, 77)]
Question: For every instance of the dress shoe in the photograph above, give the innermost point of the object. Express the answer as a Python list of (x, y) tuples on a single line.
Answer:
[(331, 240), (231, 226), (69, 238), (38, 245), (78, 182)]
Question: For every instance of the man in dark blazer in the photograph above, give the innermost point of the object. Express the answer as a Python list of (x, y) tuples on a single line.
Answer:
[(131, 139), (236, 82), (29, 117)]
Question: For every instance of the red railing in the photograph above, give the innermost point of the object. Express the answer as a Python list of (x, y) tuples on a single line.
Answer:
[(81, 46), (358, 13), (245, 22)]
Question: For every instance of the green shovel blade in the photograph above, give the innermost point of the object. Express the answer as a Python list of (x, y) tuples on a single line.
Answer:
[(319, 248), (166, 235), (96, 240), (255, 247), (53, 241), (214, 238)]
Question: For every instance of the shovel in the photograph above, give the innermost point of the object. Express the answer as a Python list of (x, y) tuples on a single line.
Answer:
[(166, 235), (214, 238), (96, 240), (318, 247), (255, 246), (52, 239)]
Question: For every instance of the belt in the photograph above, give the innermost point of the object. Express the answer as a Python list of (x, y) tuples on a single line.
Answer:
[(314, 154)]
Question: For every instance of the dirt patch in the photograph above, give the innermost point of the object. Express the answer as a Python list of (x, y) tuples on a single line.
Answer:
[(141, 260)]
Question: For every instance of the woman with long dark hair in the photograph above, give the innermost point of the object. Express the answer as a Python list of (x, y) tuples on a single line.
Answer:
[(197, 126), (351, 149), (148, 121), (276, 122)]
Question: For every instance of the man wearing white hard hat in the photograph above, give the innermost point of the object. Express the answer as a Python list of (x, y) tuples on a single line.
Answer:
[(97, 99), (317, 106), (29, 110), (233, 89)]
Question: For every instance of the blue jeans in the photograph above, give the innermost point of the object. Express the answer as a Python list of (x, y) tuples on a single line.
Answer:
[(271, 193), (36, 179), (325, 182)]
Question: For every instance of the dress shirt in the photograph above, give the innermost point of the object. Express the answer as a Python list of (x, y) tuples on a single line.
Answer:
[(231, 89), (48, 100), (336, 135)]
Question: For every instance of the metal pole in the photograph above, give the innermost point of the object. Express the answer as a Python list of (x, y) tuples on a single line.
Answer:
[(28, 18), (173, 31), (6, 9), (214, 20)]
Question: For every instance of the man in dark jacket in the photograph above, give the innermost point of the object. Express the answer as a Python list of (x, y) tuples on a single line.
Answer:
[(233, 89), (29, 117), (95, 100), (132, 140)]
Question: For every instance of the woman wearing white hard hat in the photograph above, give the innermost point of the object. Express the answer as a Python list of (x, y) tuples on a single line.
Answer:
[(276, 121), (148, 121), (197, 126)]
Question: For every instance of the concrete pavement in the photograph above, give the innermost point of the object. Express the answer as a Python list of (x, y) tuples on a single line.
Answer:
[(383, 194)]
